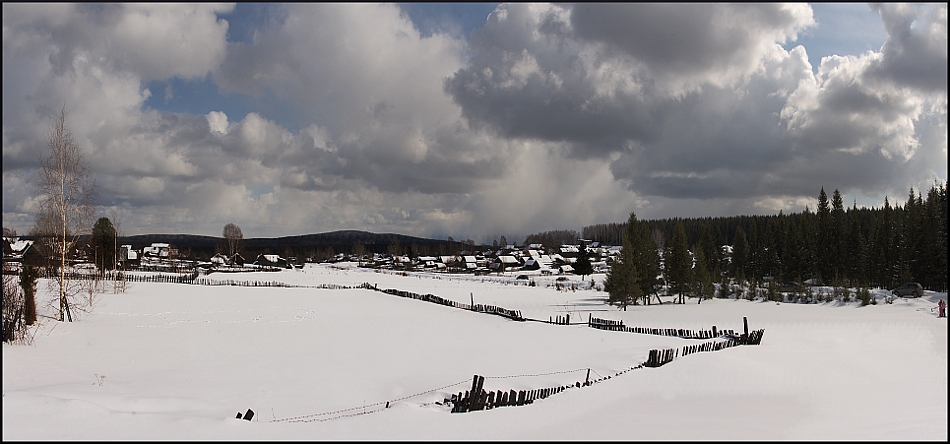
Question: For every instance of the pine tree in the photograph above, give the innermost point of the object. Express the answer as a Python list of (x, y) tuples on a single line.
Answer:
[(702, 279), (648, 262), (759, 260), (623, 279), (679, 264), (710, 250), (103, 243), (838, 236), (857, 254), (824, 237), (808, 245), (740, 256), (583, 266), (881, 259)]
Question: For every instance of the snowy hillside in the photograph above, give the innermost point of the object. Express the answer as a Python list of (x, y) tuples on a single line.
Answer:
[(177, 362)]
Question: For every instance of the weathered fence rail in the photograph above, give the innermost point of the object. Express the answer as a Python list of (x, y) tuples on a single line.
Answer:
[(607, 324), (479, 399), (481, 308)]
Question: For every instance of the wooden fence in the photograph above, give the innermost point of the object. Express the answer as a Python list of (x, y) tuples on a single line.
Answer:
[(660, 357), (478, 399), (606, 324), (481, 308)]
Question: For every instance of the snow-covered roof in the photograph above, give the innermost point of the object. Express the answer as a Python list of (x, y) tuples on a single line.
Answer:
[(20, 245), (508, 259)]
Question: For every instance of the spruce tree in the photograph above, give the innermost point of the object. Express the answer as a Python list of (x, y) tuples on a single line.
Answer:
[(740, 256), (702, 279), (648, 262), (838, 236), (103, 243), (679, 264), (583, 266), (708, 246), (823, 215), (857, 254), (623, 279)]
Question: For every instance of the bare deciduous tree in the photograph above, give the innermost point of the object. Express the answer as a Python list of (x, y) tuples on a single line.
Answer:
[(67, 199), (119, 284), (234, 239), (13, 306)]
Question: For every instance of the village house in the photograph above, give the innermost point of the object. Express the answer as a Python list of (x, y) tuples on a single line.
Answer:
[(128, 258), (14, 248), (504, 262), (271, 260), (223, 260)]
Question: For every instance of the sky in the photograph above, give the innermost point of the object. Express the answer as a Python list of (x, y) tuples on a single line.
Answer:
[(472, 120)]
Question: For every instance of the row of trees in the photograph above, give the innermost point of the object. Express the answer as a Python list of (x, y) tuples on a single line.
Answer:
[(553, 238), (854, 247)]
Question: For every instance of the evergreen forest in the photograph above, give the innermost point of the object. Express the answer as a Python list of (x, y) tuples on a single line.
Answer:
[(832, 245)]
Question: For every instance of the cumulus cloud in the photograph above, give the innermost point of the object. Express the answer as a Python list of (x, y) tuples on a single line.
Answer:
[(683, 48), (880, 117), (684, 104), (218, 121), (374, 85), (915, 54), (550, 117)]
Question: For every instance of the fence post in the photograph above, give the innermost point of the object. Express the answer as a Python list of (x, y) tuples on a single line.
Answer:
[(745, 328)]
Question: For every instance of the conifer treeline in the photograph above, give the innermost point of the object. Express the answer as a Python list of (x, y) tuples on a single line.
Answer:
[(554, 238), (880, 247)]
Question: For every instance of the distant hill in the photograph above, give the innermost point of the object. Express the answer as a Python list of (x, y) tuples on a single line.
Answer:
[(337, 241)]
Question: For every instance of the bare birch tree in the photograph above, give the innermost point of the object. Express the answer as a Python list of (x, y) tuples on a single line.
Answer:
[(234, 239), (118, 282), (67, 196)]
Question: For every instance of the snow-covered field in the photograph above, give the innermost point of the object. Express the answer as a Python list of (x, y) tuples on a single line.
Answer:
[(177, 362)]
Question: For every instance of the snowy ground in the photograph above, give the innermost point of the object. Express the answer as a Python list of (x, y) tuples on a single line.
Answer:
[(177, 362)]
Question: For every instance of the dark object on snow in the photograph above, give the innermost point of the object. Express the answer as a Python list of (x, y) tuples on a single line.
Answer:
[(912, 289), (248, 415), (238, 416)]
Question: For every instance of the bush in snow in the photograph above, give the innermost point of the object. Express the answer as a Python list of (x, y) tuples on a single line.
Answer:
[(864, 295)]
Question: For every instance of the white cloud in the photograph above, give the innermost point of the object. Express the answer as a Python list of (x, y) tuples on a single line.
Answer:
[(218, 121), (563, 116)]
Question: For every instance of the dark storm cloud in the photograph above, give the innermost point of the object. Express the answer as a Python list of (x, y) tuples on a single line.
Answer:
[(548, 117), (528, 79), (687, 40), (702, 101), (915, 54)]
